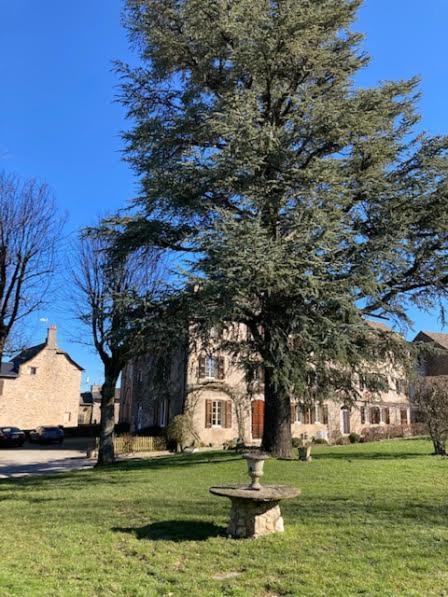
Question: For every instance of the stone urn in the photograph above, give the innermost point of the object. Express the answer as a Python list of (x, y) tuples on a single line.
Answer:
[(255, 464), (305, 453)]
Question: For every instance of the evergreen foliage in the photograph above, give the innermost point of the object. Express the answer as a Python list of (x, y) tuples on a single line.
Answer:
[(298, 203)]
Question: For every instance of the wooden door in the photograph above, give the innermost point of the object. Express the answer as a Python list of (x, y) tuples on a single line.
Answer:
[(257, 418)]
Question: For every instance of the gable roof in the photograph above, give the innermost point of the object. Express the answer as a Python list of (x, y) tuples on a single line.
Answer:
[(437, 337), (11, 368)]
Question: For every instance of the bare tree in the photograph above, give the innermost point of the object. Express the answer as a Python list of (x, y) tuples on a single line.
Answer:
[(29, 230), (430, 396), (114, 297)]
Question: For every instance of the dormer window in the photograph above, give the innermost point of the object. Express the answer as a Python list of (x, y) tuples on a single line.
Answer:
[(32, 370)]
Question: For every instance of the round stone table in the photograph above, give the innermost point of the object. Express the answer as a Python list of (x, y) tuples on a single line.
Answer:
[(255, 512)]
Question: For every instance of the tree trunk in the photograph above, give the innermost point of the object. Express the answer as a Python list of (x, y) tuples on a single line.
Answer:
[(439, 447), (106, 453), (277, 438)]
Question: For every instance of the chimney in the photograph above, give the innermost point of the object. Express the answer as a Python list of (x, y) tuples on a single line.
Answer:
[(51, 338)]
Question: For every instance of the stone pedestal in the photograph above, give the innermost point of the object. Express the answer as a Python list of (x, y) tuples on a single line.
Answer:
[(255, 512)]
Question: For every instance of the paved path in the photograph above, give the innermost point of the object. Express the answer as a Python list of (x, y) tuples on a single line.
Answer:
[(42, 460)]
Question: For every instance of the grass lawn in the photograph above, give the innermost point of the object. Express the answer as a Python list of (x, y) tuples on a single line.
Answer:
[(372, 520)]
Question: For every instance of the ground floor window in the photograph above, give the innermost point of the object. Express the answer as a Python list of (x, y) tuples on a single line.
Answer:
[(404, 416), (345, 420), (363, 415), (375, 415), (386, 416), (218, 413)]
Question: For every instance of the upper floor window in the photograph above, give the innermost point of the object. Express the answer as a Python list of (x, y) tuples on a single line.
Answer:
[(211, 367), (32, 370), (401, 386)]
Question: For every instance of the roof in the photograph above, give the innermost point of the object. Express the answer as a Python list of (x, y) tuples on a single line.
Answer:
[(378, 326), (11, 368), (95, 396), (437, 337)]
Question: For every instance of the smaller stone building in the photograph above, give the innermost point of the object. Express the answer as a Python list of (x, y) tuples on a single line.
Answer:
[(40, 386), (90, 406)]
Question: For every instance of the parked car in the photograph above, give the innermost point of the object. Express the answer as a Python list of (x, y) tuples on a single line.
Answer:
[(11, 437), (47, 435)]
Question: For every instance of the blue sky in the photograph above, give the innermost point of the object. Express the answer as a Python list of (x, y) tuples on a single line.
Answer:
[(59, 121)]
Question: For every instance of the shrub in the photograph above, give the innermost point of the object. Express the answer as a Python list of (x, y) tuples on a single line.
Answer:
[(320, 440), (181, 431), (354, 438)]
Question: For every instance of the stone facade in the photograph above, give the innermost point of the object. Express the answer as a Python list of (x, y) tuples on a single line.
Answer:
[(40, 386), (213, 388)]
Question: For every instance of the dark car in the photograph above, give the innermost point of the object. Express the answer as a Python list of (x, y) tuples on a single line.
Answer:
[(11, 437), (47, 435)]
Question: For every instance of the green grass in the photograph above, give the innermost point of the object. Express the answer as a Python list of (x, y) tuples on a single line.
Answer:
[(372, 520)]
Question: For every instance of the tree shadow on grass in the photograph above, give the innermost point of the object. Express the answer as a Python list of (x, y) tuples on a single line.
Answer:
[(175, 530), (367, 455)]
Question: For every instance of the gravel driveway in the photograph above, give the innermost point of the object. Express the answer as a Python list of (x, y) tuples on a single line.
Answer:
[(34, 459)]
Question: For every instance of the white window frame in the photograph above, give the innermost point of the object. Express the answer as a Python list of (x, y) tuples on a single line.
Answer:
[(217, 413), (211, 371)]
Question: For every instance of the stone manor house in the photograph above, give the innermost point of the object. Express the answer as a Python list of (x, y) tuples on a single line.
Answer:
[(40, 386), (224, 406)]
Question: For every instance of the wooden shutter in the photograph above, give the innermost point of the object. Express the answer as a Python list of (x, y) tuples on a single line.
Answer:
[(257, 418), (208, 413), (201, 367), (221, 368), (228, 414)]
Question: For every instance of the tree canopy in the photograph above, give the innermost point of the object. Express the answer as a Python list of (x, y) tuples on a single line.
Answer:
[(298, 202)]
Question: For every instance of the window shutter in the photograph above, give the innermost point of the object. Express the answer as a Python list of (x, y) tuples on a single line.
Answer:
[(325, 415), (208, 413), (221, 368), (228, 414), (201, 367)]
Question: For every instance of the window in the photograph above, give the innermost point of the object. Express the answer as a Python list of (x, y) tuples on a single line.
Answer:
[(404, 416), (32, 370), (375, 415), (363, 415), (67, 417), (255, 373), (211, 367), (218, 413), (402, 386), (386, 416)]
